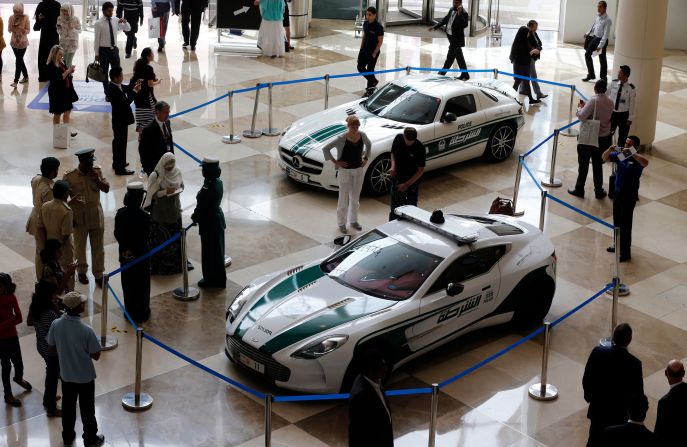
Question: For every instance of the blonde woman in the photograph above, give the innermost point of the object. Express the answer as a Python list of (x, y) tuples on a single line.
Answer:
[(61, 91), (68, 27), (19, 29), (353, 150)]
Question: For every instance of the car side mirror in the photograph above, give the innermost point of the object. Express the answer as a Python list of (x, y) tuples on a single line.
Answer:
[(453, 289), (449, 117), (342, 240)]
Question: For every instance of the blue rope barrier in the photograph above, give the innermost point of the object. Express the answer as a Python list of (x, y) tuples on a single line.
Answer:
[(247, 89), (580, 306), (196, 159), (203, 367), (527, 78), (408, 392), (568, 126), (491, 358), (577, 210), (199, 106), (147, 255), (528, 153), (121, 306), (366, 73), (453, 70), (527, 168), (311, 397), (298, 81), (580, 94)]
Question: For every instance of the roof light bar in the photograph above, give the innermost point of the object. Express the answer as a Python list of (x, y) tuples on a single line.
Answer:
[(422, 218)]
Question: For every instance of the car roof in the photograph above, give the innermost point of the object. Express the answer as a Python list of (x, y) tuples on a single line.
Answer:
[(438, 86)]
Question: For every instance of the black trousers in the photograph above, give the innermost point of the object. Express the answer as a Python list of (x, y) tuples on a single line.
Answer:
[(85, 394), (120, 135), (523, 84), (623, 208), (136, 288), (20, 65), (132, 17), (52, 375), (619, 121), (590, 46), (108, 58), (398, 198), (366, 63), (10, 354), (455, 53), (212, 255), (193, 16), (584, 155)]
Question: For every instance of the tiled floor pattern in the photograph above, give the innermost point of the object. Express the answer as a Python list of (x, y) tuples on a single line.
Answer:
[(275, 223)]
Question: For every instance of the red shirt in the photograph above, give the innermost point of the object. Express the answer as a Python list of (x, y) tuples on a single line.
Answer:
[(10, 316)]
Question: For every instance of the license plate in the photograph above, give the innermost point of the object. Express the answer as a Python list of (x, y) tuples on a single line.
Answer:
[(297, 175), (252, 364)]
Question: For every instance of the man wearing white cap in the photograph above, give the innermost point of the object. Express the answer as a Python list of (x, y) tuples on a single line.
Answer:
[(210, 219), (77, 347)]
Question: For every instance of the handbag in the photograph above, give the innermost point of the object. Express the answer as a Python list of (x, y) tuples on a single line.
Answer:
[(60, 136), (589, 131), (96, 72), (501, 206), (154, 27)]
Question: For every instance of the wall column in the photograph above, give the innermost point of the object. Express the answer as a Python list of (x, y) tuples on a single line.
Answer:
[(640, 30)]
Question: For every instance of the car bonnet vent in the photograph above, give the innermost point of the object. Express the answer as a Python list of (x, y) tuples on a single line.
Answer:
[(340, 303), (294, 270), (351, 111), (392, 126)]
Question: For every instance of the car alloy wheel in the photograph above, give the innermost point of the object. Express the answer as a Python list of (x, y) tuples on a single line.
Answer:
[(501, 143), (378, 178)]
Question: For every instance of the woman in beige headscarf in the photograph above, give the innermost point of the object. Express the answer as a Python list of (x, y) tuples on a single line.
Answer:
[(68, 27), (19, 28)]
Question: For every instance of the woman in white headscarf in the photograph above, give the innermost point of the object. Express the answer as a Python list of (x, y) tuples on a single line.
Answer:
[(164, 186), (68, 27)]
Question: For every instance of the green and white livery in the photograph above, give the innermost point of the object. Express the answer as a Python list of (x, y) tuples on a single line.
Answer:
[(403, 289), (456, 121)]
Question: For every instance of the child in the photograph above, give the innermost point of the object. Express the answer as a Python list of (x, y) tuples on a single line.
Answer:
[(10, 352)]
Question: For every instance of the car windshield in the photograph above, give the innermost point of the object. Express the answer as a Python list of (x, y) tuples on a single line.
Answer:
[(381, 266), (404, 104)]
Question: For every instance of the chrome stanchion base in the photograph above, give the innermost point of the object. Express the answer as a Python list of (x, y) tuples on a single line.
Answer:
[(252, 133), (623, 290), (108, 343), (227, 261), (192, 295), (606, 341), (550, 392), (145, 401), (570, 132), (231, 139), (271, 131), (518, 213), (555, 184)]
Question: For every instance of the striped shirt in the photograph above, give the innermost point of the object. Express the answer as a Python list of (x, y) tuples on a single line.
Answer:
[(130, 6), (42, 328)]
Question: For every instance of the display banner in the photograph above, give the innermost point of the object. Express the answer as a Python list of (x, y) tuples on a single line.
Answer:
[(238, 14), (91, 98)]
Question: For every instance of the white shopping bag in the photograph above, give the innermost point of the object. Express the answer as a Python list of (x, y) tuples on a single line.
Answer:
[(60, 136), (154, 27), (589, 131)]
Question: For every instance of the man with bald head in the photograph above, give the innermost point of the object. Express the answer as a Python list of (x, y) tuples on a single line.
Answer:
[(672, 408)]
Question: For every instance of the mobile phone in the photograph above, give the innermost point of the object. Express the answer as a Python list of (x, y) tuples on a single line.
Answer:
[(626, 153)]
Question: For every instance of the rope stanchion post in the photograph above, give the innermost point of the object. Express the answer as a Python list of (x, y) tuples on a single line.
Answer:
[(253, 132), (107, 342), (408, 70), (542, 210), (608, 341), (138, 401), (185, 293), (544, 391), (496, 73), (433, 415), (269, 130), (552, 181), (326, 92), (268, 419), (516, 187), (571, 132), (231, 138)]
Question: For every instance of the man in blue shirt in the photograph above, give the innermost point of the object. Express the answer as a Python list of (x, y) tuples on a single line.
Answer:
[(77, 347), (629, 168), (373, 36)]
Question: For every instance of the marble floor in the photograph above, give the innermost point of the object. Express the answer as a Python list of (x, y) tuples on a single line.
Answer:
[(274, 223)]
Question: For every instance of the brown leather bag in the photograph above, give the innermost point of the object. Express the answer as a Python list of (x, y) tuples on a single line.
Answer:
[(501, 206)]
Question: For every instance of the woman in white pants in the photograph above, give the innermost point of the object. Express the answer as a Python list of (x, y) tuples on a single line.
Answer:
[(353, 150)]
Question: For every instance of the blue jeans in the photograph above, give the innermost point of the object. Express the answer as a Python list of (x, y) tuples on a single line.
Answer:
[(398, 198), (52, 375)]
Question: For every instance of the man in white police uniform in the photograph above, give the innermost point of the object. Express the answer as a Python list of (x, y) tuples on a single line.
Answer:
[(623, 95), (596, 41)]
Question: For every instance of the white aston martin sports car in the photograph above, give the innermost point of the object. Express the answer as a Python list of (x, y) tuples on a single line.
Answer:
[(455, 120), (403, 289)]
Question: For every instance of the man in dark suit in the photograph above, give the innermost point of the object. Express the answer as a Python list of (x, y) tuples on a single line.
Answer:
[(369, 416), (455, 22), (535, 43), (632, 433), (156, 138), (191, 12), (610, 376), (120, 97), (672, 408)]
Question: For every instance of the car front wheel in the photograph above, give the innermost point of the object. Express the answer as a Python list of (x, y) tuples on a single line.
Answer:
[(378, 178), (534, 296), (501, 143)]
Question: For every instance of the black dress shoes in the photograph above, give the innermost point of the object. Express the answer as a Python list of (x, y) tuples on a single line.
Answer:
[(588, 78), (576, 193), (600, 194), (124, 171), (611, 249)]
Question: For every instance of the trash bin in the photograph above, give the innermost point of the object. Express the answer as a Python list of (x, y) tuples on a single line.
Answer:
[(298, 16)]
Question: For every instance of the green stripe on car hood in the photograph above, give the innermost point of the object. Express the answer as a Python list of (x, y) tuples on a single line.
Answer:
[(306, 143)]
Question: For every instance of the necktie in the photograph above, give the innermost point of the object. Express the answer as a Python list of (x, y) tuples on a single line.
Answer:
[(165, 135), (112, 39), (449, 26), (617, 98)]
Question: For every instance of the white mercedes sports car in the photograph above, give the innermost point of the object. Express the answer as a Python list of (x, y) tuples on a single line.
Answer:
[(456, 121), (403, 288)]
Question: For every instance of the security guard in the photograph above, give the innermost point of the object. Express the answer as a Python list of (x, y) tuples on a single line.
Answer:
[(41, 189), (86, 183), (55, 221), (623, 94)]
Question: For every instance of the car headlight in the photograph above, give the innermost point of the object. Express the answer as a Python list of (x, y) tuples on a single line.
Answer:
[(238, 303), (321, 347)]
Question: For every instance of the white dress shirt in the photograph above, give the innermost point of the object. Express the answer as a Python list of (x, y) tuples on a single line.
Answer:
[(601, 28), (102, 32), (627, 97), (449, 25)]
